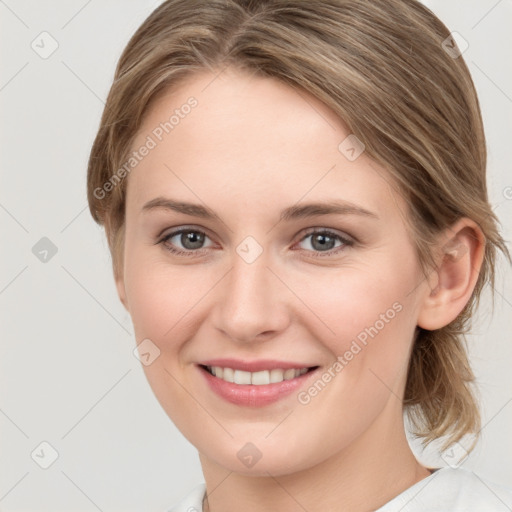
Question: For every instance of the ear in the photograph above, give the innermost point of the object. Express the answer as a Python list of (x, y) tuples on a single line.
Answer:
[(121, 291), (451, 284), (118, 262)]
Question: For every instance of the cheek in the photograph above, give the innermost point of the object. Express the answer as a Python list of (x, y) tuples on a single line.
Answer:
[(162, 310), (160, 294), (361, 303), (373, 323), (368, 321), (159, 302)]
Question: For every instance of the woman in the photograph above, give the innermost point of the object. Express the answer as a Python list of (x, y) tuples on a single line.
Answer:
[(295, 200)]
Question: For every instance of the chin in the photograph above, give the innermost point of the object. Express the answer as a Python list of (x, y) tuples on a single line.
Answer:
[(278, 458)]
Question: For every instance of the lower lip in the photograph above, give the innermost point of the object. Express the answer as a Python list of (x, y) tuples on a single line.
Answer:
[(250, 394)]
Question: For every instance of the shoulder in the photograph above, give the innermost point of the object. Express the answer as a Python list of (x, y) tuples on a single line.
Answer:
[(447, 489), (192, 502), (453, 489)]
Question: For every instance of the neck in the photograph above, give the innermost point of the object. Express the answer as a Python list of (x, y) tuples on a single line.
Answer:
[(375, 468)]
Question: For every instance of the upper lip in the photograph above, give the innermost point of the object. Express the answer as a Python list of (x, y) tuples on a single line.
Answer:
[(254, 366)]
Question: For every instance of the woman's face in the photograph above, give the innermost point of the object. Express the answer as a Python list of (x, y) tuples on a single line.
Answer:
[(266, 281)]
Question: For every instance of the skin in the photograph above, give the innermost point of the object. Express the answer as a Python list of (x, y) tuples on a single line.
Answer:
[(252, 147)]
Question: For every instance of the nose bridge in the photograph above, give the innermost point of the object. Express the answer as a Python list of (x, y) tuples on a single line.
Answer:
[(250, 298)]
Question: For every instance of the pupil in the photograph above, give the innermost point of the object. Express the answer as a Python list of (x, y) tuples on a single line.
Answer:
[(193, 238), (323, 240)]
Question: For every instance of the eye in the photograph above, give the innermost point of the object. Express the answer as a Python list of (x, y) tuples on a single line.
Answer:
[(322, 242), (191, 239)]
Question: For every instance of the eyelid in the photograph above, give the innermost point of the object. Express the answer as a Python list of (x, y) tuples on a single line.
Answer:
[(346, 240), (179, 230), (322, 229), (181, 227), (176, 230)]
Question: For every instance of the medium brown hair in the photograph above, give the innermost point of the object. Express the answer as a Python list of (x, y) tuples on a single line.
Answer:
[(381, 65)]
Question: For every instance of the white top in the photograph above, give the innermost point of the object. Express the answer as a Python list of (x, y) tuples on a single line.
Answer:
[(446, 490)]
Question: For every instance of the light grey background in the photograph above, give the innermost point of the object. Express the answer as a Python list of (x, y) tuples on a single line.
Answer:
[(67, 372)]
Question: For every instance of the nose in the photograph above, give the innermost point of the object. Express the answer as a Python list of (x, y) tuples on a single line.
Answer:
[(251, 302)]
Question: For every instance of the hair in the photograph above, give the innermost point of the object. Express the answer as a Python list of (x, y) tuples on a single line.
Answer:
[(381, 65)]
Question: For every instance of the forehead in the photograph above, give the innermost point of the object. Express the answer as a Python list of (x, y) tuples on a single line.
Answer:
[(248, 137)]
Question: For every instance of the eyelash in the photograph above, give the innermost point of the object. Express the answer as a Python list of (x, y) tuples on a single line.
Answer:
[(317, 254)]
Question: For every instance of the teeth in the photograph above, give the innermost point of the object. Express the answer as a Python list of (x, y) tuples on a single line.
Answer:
[(241, 377), (276, 375), (229, 375), (260, 378), (290, 374), (256, 378), (218, 371)]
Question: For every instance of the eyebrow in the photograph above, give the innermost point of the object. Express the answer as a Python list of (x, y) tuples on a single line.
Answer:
[(292, 212)]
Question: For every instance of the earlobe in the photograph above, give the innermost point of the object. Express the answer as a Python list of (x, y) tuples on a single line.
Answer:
[(454, 279)]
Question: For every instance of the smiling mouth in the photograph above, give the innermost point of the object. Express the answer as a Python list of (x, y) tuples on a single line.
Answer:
[(259, 378)]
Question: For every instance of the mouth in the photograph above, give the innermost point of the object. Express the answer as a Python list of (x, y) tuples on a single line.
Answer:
[(254, 384), (259, 378)]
